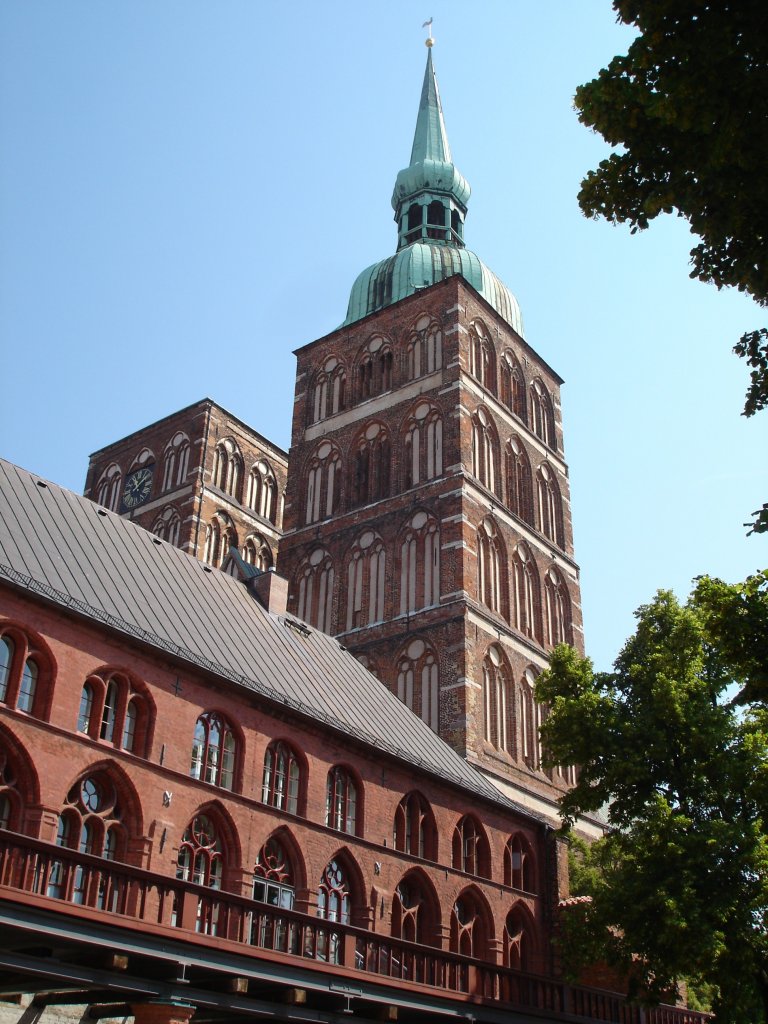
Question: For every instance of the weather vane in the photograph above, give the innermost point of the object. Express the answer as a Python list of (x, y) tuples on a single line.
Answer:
[(429, 41)]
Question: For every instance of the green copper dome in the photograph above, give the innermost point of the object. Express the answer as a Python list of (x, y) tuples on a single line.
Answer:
[(430, 202)]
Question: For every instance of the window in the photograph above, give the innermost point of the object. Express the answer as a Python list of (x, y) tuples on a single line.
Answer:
[(176, 462), (341, 801), (482, 356), (414, 829), (425, 348), (334, 903), (369, 469), (11, 803), (273, 881), (518, 940), (526, 590), (328, 391), (492, 568), (420, 564), (323, 483), (542, 420), (415, 911), (214, 751), (484, 450), (498, 718), (228, 468), (22, 661), (418, 682), (258, 553), (530, 721), (282, 778), (512, 385), (315, 586), (558, 609), (374, 369), (108, 488), (201, 861), (366, 581), (519, 865), (167, 526), (469, 930), (116, 709), (423, 446), (262, 491), (519, 481), (471, 852), (220, 536), (550, 507)]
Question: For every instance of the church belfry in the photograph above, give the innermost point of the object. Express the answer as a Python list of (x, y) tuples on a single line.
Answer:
[(427, 512)]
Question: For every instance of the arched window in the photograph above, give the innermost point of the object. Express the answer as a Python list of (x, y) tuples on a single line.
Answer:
[(368, 664), (492, 586), (228, 468), (550, 506), (370, 466), (108, 488), (176, 461), (24, 673), (418, 682), (519, 864), (262, 491), (530, 721), (281, 781), (482, 356), (512, 385), (542, 419), (420, 564), (220, 536), (558, 609), (498, 704), (414, 828), (114, 709), (257, 552), (526, 589), (471, 851), (334, 903), (484, 450), (214, 751), (422, 446), (374, 368), (519, 481), (323, 483), (415, 911), (328, 390), (341, 800), (201, 861), (518, 940), (11, 804), (167, 526), (273, 877), (315, 586), (425, 348), (469, 929), (366, 581)]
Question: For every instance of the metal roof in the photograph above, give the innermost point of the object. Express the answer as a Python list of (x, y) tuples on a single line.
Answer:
[(77, 555)]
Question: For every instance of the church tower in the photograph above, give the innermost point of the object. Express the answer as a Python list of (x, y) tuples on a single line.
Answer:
[(427, 512)]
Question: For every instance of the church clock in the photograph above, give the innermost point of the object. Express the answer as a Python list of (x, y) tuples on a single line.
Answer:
[(138, 487)]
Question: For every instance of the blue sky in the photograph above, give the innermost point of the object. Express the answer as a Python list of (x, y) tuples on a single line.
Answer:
[(188, 190)]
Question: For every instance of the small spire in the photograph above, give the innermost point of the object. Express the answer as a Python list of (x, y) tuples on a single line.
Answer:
[(430, 140)]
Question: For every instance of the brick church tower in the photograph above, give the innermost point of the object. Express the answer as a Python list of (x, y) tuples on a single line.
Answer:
[(427, 517)]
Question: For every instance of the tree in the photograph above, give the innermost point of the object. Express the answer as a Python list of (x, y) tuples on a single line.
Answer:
[(688, 104), (679, 884)]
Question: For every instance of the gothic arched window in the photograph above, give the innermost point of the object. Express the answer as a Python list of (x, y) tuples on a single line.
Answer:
[(323, 483), (257, 552), (176, 461), (273, 877), (374, 368), (519, 864), (420, 564), (201, 860), (214, 751), (281, 781), (370, 466), (482, 356), (492, 582), (366, 581), (414, 829), (262, 491), (167, 526), (341, 800), (530, 721), (418, 682), (108, 489), (512, 385), (498, 718), (328, 390), (228, 468), (550, 506), (469, 929), (471, 851), (415, 911), (425, 348), (11, 801), (526, 590), (220, 536), (519, 485), (315, 581), (484, 450), (558, 609), (423, 446), (518, 940), (542, 418)]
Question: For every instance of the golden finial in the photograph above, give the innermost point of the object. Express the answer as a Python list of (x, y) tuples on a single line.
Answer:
[(429, 41)]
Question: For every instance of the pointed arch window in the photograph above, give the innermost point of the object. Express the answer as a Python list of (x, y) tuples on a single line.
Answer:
[(414, 830), (558, 609), (323, 486), (201, 860), (484, 450), (482, 356), (471, 851), (108, 488), (257, 552), (334, 903), (423, 446), (281, 781), (530, 721), (273, 880), (220, 536), (550, 506), (167, 526), (228, 468), (370, 468), (11, 803), (512, 385), (420, 564), (425, 348), (328, 391), (176, 461), (374, 369), (519, 864), (497, 700), (519, 478), (469, 933), (366, 581), (262, 491), (526, 589), (214, 751), (414, 912), (341, 799), (418, 682), (542, 418), (315, 582), (492, 569), (518, 936)]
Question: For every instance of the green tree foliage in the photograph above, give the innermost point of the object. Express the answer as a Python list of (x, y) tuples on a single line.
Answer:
[(688, 107), (679, 884)]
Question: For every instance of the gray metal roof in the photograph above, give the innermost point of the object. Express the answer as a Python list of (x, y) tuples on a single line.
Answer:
[(75, 554)]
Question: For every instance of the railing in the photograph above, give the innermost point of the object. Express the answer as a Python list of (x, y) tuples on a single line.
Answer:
[(65, 875)]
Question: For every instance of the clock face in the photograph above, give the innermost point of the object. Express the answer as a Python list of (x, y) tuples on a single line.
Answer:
[(138, 486)]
